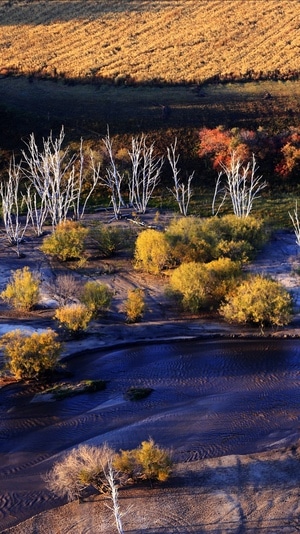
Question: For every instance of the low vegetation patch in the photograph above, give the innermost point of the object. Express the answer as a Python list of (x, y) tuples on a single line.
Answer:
[(68, 389), (135, 393)]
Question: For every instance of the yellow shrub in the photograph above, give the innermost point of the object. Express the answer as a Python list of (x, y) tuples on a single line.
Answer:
[(22, 292), (258, 300), (75, 317), (135, 305), (96, 297), (152, 252), (66, 242), (29, 356)]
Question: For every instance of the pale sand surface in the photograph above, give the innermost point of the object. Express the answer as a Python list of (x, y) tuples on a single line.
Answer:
[(256, 493)]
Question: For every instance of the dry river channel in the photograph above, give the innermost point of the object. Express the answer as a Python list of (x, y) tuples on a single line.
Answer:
[(210, 398)]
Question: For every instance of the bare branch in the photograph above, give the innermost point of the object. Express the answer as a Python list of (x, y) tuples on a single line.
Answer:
[(241, 184), (181, 192), (9, 193), (146, 170), (296, 224)]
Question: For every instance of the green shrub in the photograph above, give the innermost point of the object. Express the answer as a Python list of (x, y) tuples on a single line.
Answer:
[(74, 317), (96, 297), (135, 305), (30, 356), (109, 240), (22, 292), (223, 276), (260, 301), (67, 242), (152, 253)]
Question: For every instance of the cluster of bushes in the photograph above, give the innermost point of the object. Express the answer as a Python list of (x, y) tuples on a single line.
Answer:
[(23, 293), (204, 260), (71, 240), (91, 466)]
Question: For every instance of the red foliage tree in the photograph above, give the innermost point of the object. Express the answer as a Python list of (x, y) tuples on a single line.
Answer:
[(290, 152), (218, 144)]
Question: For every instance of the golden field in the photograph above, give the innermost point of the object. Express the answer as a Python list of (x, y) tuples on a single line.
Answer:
[(149, 40)]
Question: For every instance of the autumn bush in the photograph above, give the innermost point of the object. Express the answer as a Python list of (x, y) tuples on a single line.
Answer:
[(74, 317), (200, 286), (96, 297), (30, 356), (235, 237), (82, 467), (91, 466), (67, 242), (152, 252), (148, 461), (260, 301), (22, 292), (135, 305), (188, 240), (203, 240)]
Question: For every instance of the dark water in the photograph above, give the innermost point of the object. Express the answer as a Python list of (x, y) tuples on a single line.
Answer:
[(209, 398)]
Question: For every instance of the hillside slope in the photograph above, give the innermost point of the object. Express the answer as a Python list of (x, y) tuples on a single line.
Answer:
[(146, 41)]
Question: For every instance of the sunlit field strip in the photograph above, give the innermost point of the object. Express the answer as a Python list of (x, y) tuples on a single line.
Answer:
[(178, 41)]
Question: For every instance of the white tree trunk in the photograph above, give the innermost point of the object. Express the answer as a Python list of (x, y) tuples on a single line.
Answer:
[(296, 224), (56, 178), (241, 185), (145, 175), (182, 192), (112, 179), (9, 193)]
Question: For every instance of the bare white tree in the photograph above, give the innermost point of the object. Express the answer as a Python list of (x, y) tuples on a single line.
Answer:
[(10, 200), (296, 223), (112, 179), (182, 192), (80, 205), (115, 508), (37, 209), (57, 177), (241, 184), (146, 170)]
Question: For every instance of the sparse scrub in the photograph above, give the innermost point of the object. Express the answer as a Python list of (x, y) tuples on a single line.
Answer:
[(22, 292), (108, 240), (64, 390), (80, 468), (64, 288), (67, 242), (30, 356)]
